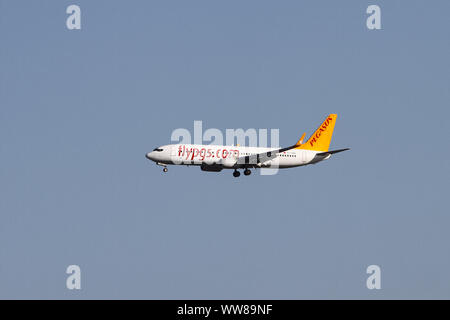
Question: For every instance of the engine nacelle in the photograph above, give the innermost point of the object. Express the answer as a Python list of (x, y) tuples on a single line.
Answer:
[(214, 167)]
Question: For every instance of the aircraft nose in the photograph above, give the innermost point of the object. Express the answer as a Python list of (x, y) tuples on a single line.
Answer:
[(148, 155)]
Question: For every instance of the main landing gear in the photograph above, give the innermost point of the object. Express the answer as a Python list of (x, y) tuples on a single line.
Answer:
[(236, 173)]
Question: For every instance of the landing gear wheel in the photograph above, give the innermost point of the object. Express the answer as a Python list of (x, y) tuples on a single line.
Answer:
[(236, 173), (165, 169), (247, 172)]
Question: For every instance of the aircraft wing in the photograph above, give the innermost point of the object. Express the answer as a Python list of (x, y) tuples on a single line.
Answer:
[(254, 159)]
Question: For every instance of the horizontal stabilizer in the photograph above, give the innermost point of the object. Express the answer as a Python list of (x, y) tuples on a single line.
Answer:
[(332, 152)]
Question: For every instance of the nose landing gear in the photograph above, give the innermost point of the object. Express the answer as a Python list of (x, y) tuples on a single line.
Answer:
[(165, 169)]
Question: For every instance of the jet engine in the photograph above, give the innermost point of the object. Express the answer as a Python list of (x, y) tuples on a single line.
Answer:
[(211, 167)]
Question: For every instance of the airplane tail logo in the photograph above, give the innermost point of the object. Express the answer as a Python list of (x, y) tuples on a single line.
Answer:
[(321, 138)]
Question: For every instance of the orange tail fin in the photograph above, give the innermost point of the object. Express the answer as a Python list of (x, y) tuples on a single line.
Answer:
[(320, 140)]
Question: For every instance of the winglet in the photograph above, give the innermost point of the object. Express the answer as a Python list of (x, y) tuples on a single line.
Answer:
[(300, 142)]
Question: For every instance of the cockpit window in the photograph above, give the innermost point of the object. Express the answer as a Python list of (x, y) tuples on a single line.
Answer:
[(157, 149)]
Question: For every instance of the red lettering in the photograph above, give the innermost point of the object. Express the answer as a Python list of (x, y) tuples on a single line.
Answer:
[(202, 153), (194, 153), (321, 129), (188, 153)]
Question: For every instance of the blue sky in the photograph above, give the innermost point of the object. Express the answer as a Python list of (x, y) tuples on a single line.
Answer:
[(80, 108)]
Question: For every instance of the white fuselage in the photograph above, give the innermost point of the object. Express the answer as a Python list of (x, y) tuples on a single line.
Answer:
[(226, 156)]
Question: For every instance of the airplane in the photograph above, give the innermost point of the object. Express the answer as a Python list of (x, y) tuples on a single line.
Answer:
[(215, 158)]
